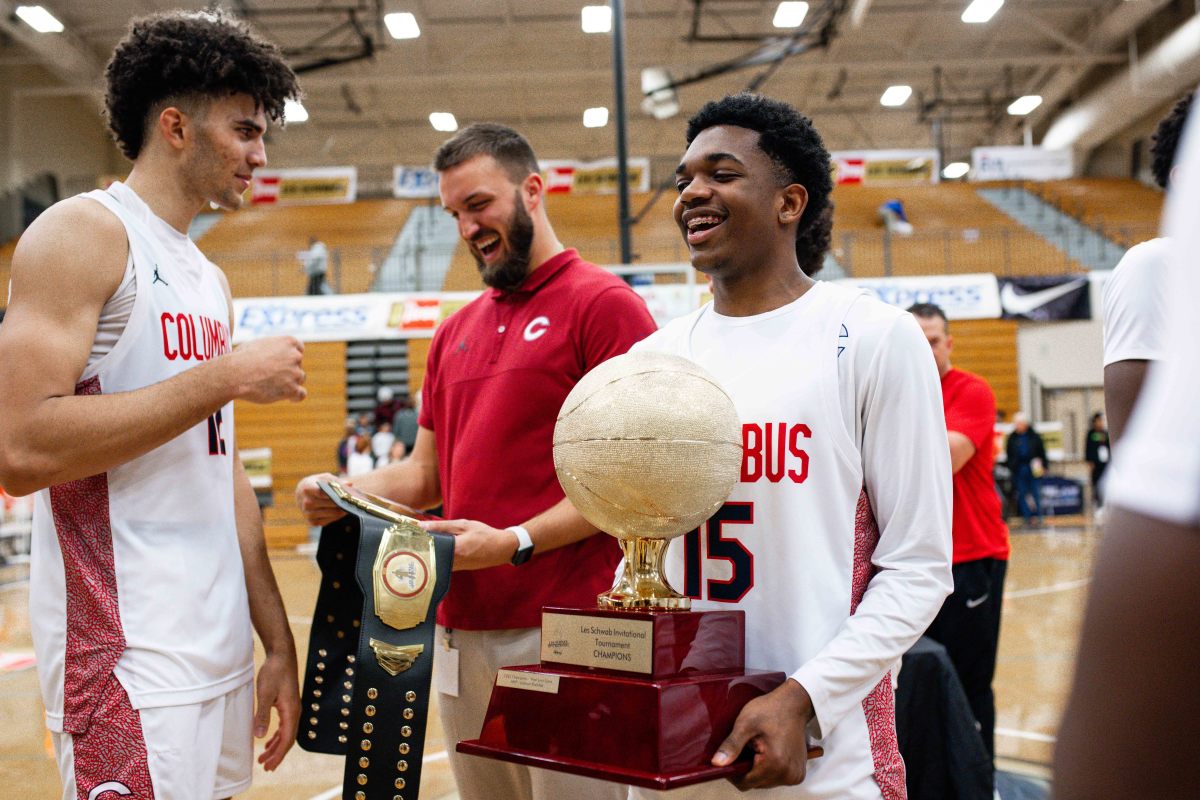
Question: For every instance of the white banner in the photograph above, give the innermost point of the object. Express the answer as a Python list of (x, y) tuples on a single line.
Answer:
[(1020, 163), (593, 177), (345, 317), (414, 182), (311, 186), (975, 296), (886, 167)]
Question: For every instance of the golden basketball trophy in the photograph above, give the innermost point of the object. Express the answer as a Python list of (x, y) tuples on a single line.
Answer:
[(639, 690)]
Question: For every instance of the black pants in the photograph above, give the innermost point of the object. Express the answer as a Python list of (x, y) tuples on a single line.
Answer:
[(968, 626), (316, 283)]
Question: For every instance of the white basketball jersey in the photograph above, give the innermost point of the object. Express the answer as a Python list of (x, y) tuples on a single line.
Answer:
[(137, 571), (796, 545)]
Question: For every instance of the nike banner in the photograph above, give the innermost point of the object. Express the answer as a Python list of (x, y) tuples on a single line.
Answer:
[(1044, 298)]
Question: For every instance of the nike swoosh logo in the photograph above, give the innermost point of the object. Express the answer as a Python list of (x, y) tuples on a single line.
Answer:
[(109, 786), (978, 602), (1015, 303)]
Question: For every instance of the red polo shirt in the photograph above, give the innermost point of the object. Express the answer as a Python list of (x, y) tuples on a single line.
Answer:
[(498, 372), (979, 530)]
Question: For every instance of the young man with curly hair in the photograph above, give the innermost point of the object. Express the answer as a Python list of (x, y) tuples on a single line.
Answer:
[(836, 540), (117, 383), (1135, 296)]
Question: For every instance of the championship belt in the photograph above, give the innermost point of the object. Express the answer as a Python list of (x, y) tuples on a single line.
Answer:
[(370, 653)]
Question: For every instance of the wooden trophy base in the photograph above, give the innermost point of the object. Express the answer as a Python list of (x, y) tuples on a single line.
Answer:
[(635, 697)]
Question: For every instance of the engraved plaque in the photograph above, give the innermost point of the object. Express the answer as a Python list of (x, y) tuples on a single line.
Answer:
[(604, 642), (512, 679)]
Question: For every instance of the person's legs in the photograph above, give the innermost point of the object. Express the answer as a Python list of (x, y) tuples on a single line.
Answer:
[(1022, 486), (314, 283), (110, 755)]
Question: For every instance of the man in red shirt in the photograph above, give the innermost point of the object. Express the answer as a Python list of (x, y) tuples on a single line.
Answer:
[(969, 623), (497, 374)]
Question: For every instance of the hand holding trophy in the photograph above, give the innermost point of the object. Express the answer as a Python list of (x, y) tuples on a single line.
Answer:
[(639, 690)]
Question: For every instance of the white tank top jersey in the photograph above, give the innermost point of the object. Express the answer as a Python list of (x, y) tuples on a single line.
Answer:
[(836, 540), (137, 571), (1135, 304)]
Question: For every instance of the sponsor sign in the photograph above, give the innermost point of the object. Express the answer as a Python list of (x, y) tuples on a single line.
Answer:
[(886, 167), (1044, 298), (346, 317), (1021, 163), (313, 186), (414, 182), (961, 296), (593, 177)]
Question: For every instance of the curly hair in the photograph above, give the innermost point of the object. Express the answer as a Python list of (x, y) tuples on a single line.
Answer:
[(1166, 140), (812, 243), (786, 136), (189, 55)]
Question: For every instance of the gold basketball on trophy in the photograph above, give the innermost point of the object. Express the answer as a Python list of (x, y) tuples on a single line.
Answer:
[(647, 446)]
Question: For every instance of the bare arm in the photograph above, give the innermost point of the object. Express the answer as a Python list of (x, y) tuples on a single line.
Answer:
[(1134, 698), (1122, 383), (277, 684), (65, 268), (413, 481), (961, 450)]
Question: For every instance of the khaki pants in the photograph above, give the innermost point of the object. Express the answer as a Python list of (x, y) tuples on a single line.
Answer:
[(481, 653)]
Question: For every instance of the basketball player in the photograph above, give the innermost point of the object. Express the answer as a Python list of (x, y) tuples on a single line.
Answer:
[(836, 541), (1135, 296), (117, 384), (497, 374), (1132, 725)]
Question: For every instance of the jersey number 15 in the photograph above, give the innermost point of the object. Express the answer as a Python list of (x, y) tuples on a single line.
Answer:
[(715, 545)]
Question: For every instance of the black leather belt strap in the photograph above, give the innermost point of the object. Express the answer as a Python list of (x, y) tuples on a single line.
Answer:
[(366, 683)]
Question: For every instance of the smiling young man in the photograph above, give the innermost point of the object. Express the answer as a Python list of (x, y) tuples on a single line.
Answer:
[(497, 374), (836, 541), (117, 384)]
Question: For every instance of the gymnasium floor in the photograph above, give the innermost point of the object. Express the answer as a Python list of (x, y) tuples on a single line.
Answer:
[(1047, 583)]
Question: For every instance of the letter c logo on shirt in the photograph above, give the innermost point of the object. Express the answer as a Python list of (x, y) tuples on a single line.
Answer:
[(109, 786), (536, 328)]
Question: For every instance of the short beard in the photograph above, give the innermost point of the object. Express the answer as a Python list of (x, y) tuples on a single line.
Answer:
[(507, 274)]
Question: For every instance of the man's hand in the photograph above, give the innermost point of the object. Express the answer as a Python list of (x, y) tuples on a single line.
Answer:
[(316, 506), (267, 370), (476, 546), (773, 726), (277, 686)]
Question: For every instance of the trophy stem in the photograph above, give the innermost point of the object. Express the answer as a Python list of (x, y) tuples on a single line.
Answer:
[(642, 584)]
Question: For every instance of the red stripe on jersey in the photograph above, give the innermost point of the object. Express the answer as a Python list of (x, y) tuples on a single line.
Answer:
[(95, 638), (879, 707), (110, 759)]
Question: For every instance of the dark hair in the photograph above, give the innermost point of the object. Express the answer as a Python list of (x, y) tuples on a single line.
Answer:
[(189, 55), (929, 311), (813, 242), (784, 134), (1166, 140), (510, 149)]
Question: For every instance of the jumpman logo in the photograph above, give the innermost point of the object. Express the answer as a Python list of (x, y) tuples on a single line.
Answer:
[(158, 278)]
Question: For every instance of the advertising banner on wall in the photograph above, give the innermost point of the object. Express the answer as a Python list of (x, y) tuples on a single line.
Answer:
[(311, 186), (346, 317), (1042, 298), (593, 177), (974, 296), (414, 182), (886, 167), (1020, 163)]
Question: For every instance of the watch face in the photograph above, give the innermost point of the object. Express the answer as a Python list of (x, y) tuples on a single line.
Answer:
[(522, 555)]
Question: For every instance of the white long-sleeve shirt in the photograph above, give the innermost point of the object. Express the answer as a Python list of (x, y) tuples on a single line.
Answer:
[(836, 541)]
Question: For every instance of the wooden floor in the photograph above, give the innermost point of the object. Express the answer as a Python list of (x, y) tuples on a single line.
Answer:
[(1047, 584)]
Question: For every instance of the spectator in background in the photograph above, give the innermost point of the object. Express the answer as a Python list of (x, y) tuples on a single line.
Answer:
[(315, 263), (364, 425), (346, 445), (1026, 459), (894, 218), (968, 624), (387, 404), (395, 453), (382, 441), (1096, 454), (361, 460), (1135, 296)]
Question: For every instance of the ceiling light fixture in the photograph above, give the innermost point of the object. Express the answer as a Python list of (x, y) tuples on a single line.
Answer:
[(595, 117), (402, 25), (294, 112), (39, 19), (1023, 105), (895, 96), (443, 121), (956, 169), (790, 15), (596, 19), (981, 11)]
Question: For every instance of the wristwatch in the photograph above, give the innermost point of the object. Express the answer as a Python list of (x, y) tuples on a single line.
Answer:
[(524, 545)]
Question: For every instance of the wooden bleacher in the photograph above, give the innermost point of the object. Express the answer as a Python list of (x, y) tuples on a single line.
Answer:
[(6, 254), (988, 347), (257, 245), (303, 437), (1124, 210)]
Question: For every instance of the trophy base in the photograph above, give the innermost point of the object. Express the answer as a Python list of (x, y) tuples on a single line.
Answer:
[(655, 733)]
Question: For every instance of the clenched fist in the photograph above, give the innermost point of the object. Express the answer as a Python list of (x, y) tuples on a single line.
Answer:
[(268, 370)]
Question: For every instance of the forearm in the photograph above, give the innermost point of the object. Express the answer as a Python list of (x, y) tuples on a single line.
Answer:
[(267, 613), (409, 482), (64, 438), (558, 526)]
